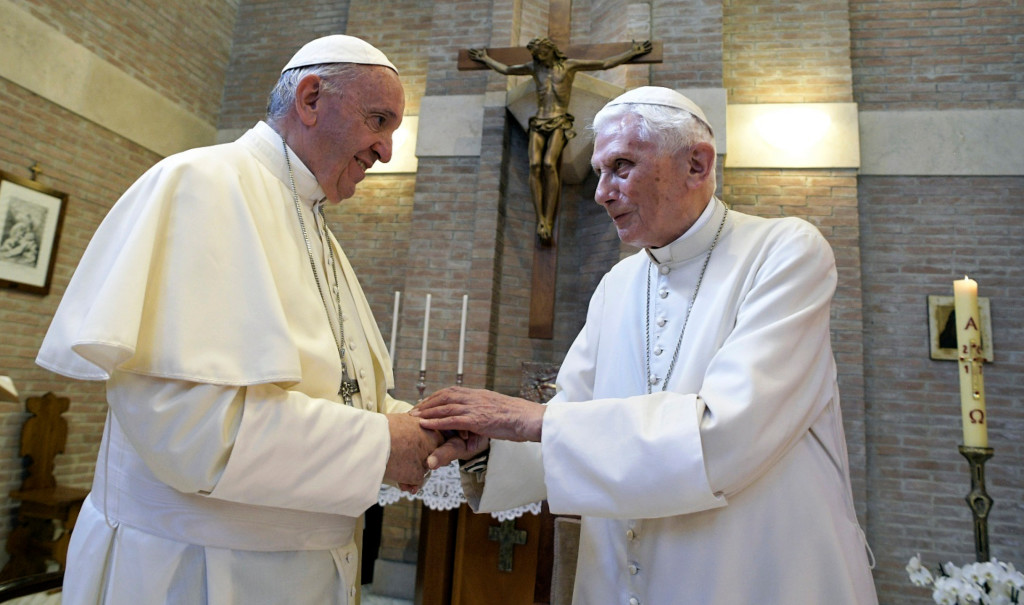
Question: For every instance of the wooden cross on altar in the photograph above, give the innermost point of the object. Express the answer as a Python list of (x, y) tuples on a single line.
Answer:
[(507, 537), (553, 72)]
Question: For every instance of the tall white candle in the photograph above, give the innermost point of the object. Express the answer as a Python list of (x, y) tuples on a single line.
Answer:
[(462, 332), (394, 326), (426, 330), (968, 342)]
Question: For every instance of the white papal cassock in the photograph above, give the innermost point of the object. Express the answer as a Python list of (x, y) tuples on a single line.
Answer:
[(230, 471), (732, 487)]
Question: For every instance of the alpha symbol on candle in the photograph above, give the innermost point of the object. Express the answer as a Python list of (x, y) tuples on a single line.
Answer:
[(977, 416), (970, 324)]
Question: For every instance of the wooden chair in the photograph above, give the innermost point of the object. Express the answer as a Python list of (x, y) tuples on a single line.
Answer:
[(34, 540)]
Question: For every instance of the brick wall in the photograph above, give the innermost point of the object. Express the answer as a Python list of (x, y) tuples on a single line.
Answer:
[(797, 52), (180, 50), (436, 249), (937, 54), (93, 167), (584, 258), (463, 224), (918, 235), (787, 51), (373, 225), (266, 34), (373, 229), (606, 20), (827, 199), (408, 53), (505, 148), (691, 31), (454, 26)]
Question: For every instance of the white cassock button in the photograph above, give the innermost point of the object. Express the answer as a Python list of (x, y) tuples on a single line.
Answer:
[(630, 535), (348, 557), (369, 402), (664, 270), (661, 322), (352, 345), (362, 373), (652, 379), (634, 601), (663, 293), (658, 350), (633, 569)]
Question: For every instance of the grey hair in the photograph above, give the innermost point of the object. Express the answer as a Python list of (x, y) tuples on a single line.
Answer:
[(335, 76), (671, 130)]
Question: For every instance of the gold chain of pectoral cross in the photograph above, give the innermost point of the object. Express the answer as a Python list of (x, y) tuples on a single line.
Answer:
[(348, 387)]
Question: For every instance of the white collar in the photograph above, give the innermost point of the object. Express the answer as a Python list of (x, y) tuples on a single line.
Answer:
[(695, 241), (265, 144)]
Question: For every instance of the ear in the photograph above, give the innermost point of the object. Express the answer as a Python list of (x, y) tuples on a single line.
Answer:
[(307, 99), (700, 163)]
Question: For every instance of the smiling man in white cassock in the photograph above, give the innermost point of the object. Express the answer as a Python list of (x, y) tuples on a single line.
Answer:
[(249, 423), (696, 426)]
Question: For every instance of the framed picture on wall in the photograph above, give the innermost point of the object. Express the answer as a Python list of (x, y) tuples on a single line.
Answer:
[(31, 216), (942, 328)]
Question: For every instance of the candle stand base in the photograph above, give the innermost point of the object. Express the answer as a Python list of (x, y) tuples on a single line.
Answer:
[(978, 500), (421, 384)]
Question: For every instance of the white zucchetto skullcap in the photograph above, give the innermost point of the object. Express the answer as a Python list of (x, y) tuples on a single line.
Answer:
[(338, 49), (666, 97)]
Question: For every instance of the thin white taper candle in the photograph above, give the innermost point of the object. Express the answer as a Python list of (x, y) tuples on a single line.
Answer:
[(394, 326), (426, 330), (462, 332)]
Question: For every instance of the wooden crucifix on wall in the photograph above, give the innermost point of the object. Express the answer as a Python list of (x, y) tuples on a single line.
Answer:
[(553, 72)]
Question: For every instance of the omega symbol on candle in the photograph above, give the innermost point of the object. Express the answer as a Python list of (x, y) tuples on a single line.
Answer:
[(977, 416)]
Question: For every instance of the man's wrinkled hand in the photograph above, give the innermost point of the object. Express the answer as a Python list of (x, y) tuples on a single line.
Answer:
[(459, 446), (484, 413), (410, 446)]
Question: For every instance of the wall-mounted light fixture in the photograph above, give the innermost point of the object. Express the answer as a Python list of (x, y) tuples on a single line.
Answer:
[(793, 135), (403, 152)]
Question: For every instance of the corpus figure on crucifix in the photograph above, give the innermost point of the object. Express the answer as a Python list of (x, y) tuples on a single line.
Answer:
[(553, 73)]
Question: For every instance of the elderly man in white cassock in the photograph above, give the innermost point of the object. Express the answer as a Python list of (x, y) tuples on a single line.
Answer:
[(249, 423), (696, 426)]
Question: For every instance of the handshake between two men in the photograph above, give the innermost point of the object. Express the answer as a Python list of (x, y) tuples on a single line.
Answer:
[(455, 423)]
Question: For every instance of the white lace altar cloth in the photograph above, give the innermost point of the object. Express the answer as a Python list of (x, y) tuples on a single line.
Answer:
[(443, 491)]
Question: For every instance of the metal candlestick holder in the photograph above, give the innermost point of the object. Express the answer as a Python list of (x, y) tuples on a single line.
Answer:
[(979, 501), (421, 384), (458, 379)]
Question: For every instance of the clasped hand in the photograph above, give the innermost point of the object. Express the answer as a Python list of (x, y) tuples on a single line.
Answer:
[(475, 416), (410, 446)]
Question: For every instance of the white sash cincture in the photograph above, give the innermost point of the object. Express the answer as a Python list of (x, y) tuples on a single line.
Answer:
[(132, 496)]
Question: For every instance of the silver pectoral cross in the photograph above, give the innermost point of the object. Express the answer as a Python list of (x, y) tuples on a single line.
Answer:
[(348, 387)]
